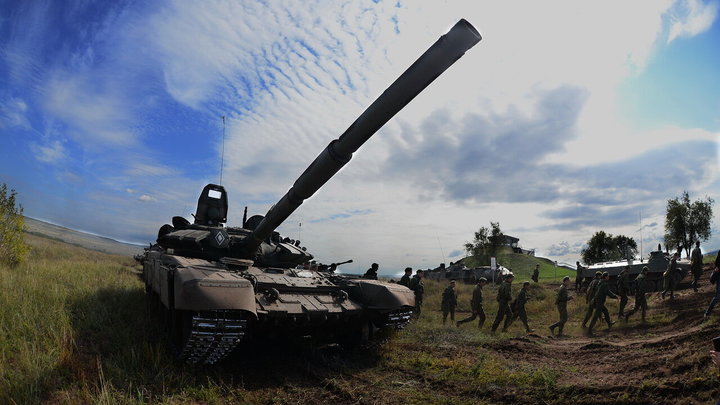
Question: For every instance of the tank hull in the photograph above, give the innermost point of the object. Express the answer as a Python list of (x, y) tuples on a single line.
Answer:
[(208, 307)]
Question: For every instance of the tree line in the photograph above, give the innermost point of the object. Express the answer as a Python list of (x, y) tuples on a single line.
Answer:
[(686, 222)]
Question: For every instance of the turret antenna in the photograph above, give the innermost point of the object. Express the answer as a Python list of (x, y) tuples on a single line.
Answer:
[(222, 155), (441, 249)]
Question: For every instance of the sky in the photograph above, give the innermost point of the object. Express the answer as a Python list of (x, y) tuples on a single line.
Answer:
[(566, 119)]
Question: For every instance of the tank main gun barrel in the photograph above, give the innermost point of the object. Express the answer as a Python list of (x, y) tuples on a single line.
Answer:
[(431, 64)]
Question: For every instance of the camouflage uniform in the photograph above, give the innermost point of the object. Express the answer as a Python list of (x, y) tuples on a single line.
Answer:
[(589, 295), (405, 280), (449, 302), (640, 300), (519, 309), (603, 291), (623, 287), (561, 302), (578, 277), (418, 287), (696, 265), (504, 297), (536, 274), (476, 305), (669, 278)]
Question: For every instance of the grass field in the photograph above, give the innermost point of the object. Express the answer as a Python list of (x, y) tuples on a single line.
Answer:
[(73, 329)]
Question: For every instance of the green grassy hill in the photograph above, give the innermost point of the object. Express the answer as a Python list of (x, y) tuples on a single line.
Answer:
[(523, 265)]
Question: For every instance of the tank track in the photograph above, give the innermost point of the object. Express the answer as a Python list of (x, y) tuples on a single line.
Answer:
[(212, 336)]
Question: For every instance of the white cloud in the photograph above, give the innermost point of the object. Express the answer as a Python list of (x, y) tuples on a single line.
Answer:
[(692, 17), (146, 198), (53, 152)]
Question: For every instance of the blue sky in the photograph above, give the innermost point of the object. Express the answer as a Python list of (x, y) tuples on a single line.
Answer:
[(566, 119)]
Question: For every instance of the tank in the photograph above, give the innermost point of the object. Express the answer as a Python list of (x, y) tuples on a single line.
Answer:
[(213, 286), (656, 262)]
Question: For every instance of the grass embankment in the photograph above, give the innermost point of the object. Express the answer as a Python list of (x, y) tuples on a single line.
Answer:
[(74, 329)]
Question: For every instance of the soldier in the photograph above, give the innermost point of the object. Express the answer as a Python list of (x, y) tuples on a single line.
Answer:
[(623, 287), (405, 279), (476, 304), (519, 307), (578, 276), (536, 273), (669, 277), (371, 273), (418, 287), (640, 301), (561, 302), (449, 302), (504, 297), (589, 295), (601, 294), (696, 264), (714, 279)]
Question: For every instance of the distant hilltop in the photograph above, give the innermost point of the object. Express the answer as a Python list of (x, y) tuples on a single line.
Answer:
[(79, 238)]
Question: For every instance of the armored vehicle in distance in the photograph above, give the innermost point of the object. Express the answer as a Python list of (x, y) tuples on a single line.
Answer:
[(656, 262), (213, 286)]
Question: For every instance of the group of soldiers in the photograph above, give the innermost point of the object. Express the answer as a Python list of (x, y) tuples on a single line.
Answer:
[(597, 291), (596, 294)]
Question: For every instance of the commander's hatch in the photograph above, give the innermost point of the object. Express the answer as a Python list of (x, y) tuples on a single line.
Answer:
[(212, 206)]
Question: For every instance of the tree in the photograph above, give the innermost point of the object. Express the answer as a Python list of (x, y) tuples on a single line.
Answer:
[(687, 222), (13, 249), (604, 247), (485, 243)]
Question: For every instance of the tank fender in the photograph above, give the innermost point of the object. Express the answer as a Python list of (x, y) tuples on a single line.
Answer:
[(380, 295), (204, 290)]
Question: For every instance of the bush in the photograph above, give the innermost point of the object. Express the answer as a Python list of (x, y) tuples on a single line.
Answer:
[(13, 249)]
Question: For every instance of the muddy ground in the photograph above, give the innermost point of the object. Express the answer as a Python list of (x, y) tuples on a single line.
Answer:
[(664, 362)]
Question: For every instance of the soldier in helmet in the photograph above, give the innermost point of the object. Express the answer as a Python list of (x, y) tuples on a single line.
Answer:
[(589, 295), (449, 302), (405, 279), (418, 288), (504, 298), (519, 307), (476, 305), (670, 277), (561, 302), (640, 300), (623, 287), (601, 294)]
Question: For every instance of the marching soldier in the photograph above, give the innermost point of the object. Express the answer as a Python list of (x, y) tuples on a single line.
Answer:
[(561, 302), (696, 265), (476, 305), (418, 287), (578, 276), (601, 294), (449, 302), (519, 307), (589, 295), (536, 273), (504, 298), (669, 276), (640, 300), (623, 287)]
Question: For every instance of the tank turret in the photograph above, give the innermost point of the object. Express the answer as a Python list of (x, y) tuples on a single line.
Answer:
[(215, 285)]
